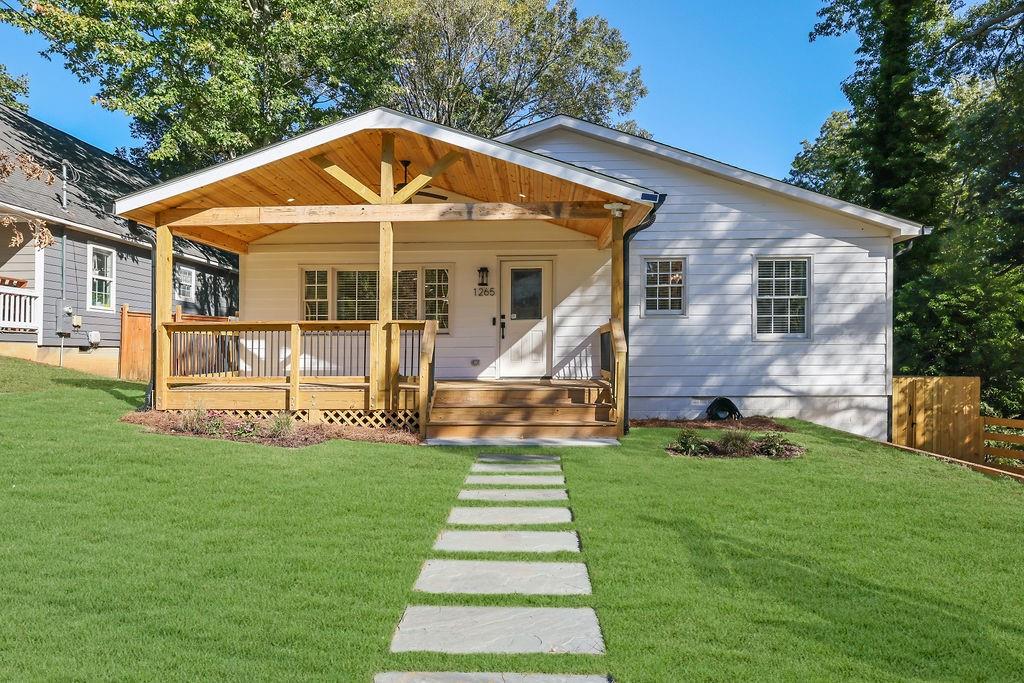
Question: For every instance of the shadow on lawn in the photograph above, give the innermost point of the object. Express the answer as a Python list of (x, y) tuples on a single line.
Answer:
[(129, 393), (900, 632)]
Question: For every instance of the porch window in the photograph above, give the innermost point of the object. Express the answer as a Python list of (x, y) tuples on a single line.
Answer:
[(185, 284), (665, 286), (406, 299), (782, 287), (101, 278), (435, 296), (357, 295), (315, 302)]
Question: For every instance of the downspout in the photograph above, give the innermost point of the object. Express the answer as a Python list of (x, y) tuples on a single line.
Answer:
[(647, 222), (151, 388), (63, 287)]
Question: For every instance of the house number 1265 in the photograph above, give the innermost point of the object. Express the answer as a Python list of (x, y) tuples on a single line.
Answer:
[(483, 291)]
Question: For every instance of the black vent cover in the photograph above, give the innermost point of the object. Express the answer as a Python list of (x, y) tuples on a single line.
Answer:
[(723, 409)]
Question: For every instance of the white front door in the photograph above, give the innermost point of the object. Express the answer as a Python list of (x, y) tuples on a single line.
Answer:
[(525, 322)]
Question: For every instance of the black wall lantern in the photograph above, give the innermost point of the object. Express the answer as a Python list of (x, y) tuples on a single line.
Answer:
[(482, 274)]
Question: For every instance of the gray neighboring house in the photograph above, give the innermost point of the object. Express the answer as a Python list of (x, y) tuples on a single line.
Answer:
[(98, 262)]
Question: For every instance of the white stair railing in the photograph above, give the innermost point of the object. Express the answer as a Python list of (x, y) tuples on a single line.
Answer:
[(18, 309)]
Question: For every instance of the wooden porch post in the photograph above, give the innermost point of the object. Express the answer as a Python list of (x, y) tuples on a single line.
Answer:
[(618, 268), (385, 271), (161, 310)]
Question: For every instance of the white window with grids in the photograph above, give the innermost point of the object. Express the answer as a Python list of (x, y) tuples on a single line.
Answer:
[(102, 267), (185, 284), (782, 293), (315, 299), (435, 296), (665, 286)]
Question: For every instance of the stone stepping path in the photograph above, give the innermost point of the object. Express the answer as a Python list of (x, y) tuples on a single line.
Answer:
[(487, 577), (509, 515), (501, 630), (452, 677), (514, 468), (522, 495), (508, 541), (508, 629), (516, 479)]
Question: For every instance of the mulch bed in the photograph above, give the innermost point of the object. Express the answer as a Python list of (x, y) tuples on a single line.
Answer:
[(755, 423), (223, 426), (714, 451)]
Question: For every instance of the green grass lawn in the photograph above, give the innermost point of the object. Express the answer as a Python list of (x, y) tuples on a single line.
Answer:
[(132, 555)]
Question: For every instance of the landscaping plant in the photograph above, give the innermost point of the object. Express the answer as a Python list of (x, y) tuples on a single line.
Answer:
[(734, 443), (690, 442)]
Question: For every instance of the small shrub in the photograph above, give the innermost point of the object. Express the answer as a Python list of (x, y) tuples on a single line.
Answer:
[(247, 429), (734, 443), (200, 421), (689, 442), (774, 445), (281, 425)]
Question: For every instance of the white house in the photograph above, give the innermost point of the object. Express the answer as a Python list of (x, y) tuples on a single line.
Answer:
[(548, 283)]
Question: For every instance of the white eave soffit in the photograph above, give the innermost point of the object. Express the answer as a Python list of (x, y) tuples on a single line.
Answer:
[(903, 229)]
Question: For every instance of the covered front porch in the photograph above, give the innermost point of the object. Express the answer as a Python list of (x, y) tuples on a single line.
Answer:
[(481, 318)]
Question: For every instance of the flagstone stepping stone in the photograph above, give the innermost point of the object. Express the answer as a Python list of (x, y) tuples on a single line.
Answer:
[(516, 457), (486, 577), (489, 467), (508, 541), (516, 479), (484, 677), (514, 630), (513, 494), (510, 515)]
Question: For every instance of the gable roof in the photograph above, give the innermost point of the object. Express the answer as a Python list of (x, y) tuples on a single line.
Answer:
[(902, 229), (384, 118), (98, 179)]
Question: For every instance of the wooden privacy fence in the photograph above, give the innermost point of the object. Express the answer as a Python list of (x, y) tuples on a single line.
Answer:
[(133, 359), (939, 415)]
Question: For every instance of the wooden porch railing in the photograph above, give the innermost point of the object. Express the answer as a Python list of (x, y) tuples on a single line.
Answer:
[(613, 367), (311, 352), (18, 308)]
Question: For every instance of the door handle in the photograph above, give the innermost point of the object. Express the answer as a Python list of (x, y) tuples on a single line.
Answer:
[(502, 329)]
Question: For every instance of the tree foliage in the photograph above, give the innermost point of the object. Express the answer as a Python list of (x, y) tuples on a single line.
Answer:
[(488, 66), (13, 89), (206, 80), (957, 143)]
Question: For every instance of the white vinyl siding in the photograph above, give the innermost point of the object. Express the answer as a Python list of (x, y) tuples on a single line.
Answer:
[(185, 284), (782, 291), (102, 278), (665, 286)]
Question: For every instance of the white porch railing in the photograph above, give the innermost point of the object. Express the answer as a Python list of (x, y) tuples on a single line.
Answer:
[(18, 309)]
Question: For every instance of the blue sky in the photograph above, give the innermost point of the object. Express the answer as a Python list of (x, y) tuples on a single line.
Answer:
[(734, 80)]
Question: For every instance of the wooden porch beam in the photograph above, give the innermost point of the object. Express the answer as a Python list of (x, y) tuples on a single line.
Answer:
[(423, 179), (211, 237), (388, 339), (346, 179), (373, 213)]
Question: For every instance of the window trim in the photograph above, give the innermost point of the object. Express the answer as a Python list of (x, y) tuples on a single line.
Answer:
[(685, 312), (195, 283), (808, 332), (418, 266), (302, 291), (91, 247)]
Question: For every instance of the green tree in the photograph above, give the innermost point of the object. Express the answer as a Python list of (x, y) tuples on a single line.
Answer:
[(833, 164), (13, 89), (488, 66), (206, 80)]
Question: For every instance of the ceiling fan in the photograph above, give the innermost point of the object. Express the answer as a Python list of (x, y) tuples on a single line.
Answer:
[(405, 166)]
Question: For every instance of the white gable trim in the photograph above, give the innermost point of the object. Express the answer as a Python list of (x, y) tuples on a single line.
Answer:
[(902, 229), (382, 118)]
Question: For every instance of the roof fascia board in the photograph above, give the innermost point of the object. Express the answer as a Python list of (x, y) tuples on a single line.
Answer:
[(98, 232), (375, 119), (904, 229)]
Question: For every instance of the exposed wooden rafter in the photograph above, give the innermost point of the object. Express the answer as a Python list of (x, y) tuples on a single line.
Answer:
[(212, 237), (423, 179), (346, 179)]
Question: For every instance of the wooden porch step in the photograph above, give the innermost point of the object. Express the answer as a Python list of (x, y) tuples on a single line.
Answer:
[(491, 395), (522, 429), (522, 412)]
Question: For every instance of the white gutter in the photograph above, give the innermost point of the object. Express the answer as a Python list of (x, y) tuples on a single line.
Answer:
[(89, 230)]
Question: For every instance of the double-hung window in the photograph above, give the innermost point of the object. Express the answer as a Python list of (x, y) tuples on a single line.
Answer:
[(185, 284), (665, 286), (782, 291), (418, 293), (315, 300), (102, 265), (435, 296)]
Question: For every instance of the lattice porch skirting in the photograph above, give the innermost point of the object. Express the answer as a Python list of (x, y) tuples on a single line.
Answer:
[(406, 420)]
